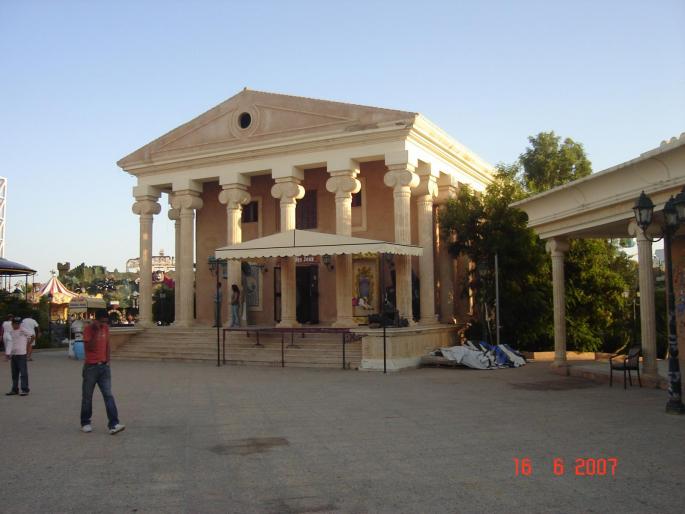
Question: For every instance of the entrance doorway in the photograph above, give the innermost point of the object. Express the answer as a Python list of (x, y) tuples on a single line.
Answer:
[(307, 283)]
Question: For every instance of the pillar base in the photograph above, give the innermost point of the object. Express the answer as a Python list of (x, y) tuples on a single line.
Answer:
[(675, 408), (561, 368), (288, 323), (344, 323), (184, 324), (432, 320), (145, 324)]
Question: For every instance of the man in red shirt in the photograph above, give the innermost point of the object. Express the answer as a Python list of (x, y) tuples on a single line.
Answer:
[(96, 371)]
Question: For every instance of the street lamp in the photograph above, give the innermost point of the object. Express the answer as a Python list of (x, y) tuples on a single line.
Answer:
[(216, 266), (674, 215)]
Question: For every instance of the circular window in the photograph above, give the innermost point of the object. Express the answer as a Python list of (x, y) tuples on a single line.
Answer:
[(244, 120)]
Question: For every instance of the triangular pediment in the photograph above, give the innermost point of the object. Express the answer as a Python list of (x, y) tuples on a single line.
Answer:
[(254, 117)]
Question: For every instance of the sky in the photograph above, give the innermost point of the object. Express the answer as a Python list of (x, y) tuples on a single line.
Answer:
[(86, 83)]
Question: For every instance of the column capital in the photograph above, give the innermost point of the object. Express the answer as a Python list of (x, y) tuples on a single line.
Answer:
[(146, 205), (234, 195), (343, 183), (287, 189), (400, 176), (557, 246), (640, 235), (186, 200), (174, 214), (428, 186)]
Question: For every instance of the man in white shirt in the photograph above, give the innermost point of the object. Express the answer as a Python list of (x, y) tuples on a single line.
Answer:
[(16, 351), (32, 326)]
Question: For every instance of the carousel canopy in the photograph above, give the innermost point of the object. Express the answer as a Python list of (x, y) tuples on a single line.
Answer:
[(14, 268), (293, 243), (59, 292)]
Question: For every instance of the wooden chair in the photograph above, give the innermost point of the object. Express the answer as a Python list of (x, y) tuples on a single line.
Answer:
[(626, 363)]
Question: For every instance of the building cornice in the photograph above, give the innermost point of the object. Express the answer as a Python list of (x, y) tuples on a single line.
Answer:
[(392, 132), (436, 141)]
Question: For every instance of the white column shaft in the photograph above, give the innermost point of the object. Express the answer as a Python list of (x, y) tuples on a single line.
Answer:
[(177, 283), (426, 263), (557, 248), (289, 191), (145, 285), (647, 309), (187, 273)]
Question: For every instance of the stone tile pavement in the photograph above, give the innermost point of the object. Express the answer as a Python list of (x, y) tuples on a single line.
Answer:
[(247, 439)]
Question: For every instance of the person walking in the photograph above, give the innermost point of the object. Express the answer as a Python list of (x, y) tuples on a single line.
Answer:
[(235, 306), (96, 371), (32, 326), (17, 347)]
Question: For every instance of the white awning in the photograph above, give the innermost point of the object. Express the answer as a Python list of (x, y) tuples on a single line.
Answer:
[(294, 243)]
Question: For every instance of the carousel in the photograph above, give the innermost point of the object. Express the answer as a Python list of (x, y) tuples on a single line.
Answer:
[(58, 297)]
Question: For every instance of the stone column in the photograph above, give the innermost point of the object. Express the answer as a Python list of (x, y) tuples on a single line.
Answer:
[(186, 201), (234, 196), (344, 184), (557, 247), (175, 216), (288, 190), (445, 260), (402, 178), (425, 193), (146, 207), (647, 308)]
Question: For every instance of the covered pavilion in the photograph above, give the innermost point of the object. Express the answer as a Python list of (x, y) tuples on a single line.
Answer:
[(9, 269), (601, 206)]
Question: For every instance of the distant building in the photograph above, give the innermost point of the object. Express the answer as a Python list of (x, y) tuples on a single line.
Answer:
[(160, 263), (659, 258)]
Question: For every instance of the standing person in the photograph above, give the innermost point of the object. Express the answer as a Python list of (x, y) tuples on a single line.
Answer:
[(6, 329), (32, 326), (235, 306), (96, 371), (17, 347)]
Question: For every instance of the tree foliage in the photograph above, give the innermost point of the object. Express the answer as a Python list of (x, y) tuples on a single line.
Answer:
[(548, 162), (597, 273)]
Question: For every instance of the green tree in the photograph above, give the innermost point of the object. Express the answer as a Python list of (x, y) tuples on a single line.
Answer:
[(485, 226), (598, 274), (548, 162)]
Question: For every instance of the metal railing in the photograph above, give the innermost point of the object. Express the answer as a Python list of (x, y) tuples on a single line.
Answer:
[(347, 336)]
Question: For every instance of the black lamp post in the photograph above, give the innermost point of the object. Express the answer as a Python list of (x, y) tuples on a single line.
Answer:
[(674, 214), (216, 266)]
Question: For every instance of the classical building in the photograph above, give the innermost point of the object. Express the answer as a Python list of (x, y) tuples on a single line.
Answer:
[(160, 263), (260, 164)]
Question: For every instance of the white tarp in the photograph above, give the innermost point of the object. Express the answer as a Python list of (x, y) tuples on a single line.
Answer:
[(466, 356), (293, 243)]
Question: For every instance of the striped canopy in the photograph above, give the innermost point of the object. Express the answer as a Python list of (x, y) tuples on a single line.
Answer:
[(60, 294)]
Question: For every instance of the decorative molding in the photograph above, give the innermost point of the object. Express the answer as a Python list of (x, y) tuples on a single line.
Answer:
[(287, 190), (146, 206), (186, 200), (234, 196)]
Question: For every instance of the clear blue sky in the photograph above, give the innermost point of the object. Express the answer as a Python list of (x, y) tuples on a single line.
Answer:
[(85, 83)]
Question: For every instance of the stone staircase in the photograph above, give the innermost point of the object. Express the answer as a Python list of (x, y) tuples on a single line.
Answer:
[(199, 344)]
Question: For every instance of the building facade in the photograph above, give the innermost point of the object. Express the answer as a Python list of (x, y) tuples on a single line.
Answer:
[(262, 163)]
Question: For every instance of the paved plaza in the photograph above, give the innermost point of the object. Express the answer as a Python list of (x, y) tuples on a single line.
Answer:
[(250, 439)]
